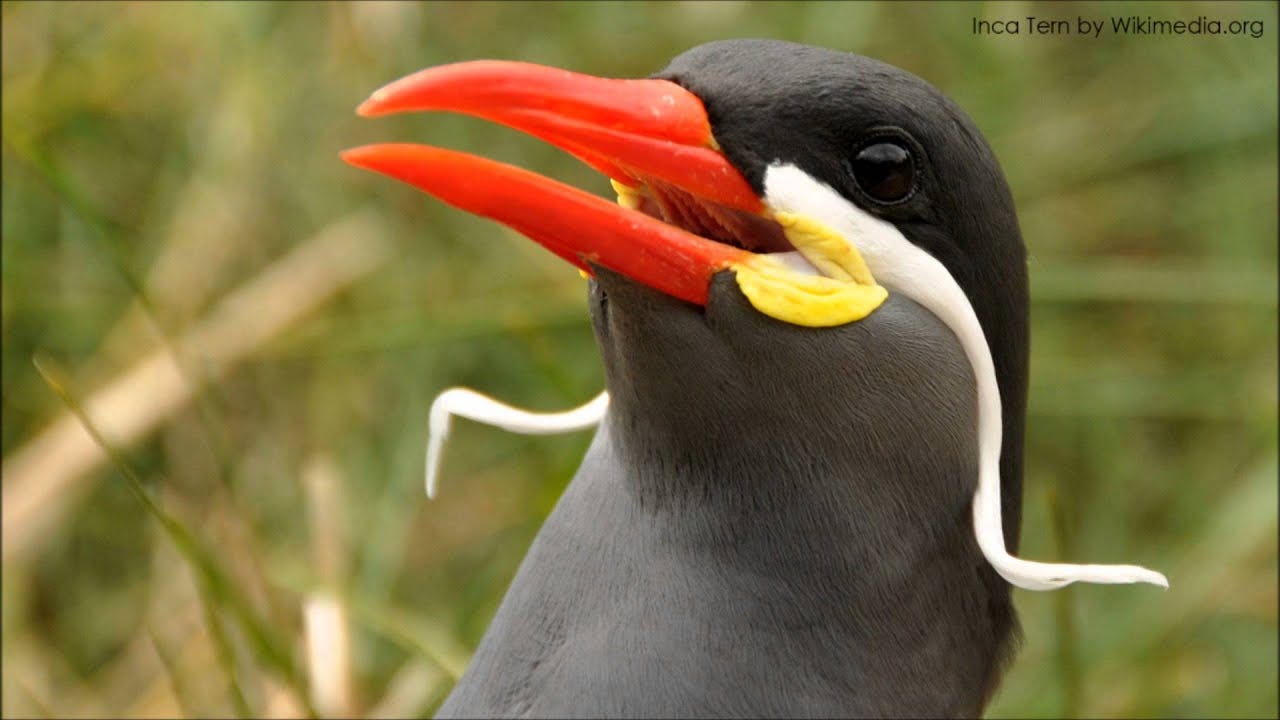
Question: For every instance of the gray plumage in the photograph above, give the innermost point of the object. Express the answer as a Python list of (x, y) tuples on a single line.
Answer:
[(771, 521), (775, 520)]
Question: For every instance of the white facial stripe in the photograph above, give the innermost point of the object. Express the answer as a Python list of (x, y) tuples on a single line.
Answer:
[(472, 405), (901, 266)]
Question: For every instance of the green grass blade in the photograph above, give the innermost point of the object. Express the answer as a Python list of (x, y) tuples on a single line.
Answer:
[(1068, 652), (268, 647)]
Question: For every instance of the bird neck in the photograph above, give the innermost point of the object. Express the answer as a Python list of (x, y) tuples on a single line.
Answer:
[(868, 553), (858, 484), (824, 478)]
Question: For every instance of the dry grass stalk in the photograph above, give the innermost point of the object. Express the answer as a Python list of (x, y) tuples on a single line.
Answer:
[(325, 613), (409, 690), (45, 476)]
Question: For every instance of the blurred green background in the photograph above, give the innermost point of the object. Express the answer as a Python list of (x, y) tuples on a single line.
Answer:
[(256, 331)]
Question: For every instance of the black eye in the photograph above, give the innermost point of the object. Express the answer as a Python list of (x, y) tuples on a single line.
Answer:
[(885, 171)]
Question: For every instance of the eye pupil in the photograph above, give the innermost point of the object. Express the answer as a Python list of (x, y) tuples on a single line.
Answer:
[(885, 171)]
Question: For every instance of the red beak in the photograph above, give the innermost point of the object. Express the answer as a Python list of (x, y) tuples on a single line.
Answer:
[(635, 131)]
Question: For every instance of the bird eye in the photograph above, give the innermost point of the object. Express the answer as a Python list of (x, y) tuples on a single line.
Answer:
[(885, 171)]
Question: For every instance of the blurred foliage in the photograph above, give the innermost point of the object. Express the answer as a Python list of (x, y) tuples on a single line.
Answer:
[(158, 156)]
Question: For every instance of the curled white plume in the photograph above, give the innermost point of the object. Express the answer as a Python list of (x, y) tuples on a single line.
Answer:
[(472, 405), (901, 266)]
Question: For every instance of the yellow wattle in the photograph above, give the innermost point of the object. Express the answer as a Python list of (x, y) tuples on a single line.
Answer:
[(808, 300), (846, 291)]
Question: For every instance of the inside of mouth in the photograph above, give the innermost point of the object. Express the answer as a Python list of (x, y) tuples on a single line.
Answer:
[(711, 220)]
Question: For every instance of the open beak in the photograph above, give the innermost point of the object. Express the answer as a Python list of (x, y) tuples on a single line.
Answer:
[(683, 214)]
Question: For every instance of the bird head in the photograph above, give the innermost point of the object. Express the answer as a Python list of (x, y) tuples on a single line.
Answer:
[(812, 254)]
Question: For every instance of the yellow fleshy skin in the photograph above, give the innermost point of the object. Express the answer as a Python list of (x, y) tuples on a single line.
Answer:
[(826, 250), (808, 300), (845, 293)]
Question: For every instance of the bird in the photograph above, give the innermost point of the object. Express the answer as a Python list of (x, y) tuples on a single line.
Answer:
[(810, 298)]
